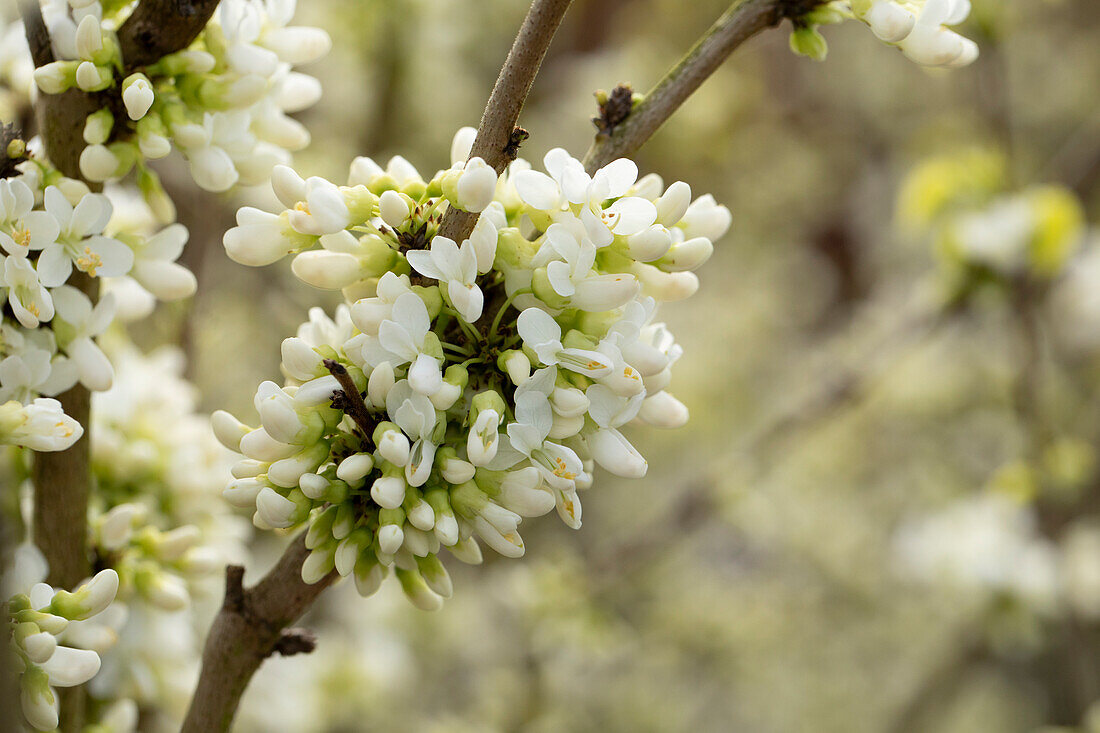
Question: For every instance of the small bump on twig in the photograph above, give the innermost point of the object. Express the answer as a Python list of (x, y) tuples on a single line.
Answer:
[(234, 588), (295, 641), (517, 138), (614, 108)]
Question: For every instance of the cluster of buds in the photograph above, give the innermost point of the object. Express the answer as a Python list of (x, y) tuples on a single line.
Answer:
[(919, 28), (982, 231), (223, 101), (465, 386), (158, 521), (50, 228), (152, 564), (41, 621)]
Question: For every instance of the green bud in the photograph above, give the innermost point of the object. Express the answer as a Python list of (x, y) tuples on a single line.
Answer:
[(432, 347), (320, 529), (574, 339), (344, 522), (433, 299), (337, 491), (435, 575), (489, 481), (361, 202), (437, 499), (391, 516), (417, 590), (544, 291), (806, 41), (514, 249), (457, 375), (467, 499)]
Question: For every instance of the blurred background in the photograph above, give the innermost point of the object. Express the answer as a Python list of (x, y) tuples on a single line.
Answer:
[(884, 514)]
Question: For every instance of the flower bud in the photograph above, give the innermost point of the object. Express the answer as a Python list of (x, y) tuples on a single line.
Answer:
[(242, 492), (355, 468), (663, 410), (319, 563), (467, 550), (89, 599), (369, 574), (435, 575), (98, 126), (687, 255), (393, 208), (55, 77), (137, 95), (389, 491), (98, 163), (418, 591)]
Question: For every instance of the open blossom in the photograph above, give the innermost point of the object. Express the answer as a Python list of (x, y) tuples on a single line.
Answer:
[(490, 376), (41, 618)]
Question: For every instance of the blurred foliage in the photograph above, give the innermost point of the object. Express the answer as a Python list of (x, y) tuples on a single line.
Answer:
[(884, 514)]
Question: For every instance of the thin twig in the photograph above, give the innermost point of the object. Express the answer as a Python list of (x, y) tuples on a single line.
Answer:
[(743, 20), (351, 401), (495, 143), (251, 626)]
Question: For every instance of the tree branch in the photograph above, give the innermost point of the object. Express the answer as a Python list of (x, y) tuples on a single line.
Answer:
[(62, 480), (157, 28), (494, 142), (743, 20), (249, 628)]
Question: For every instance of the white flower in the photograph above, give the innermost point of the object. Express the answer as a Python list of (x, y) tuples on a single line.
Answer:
[(41, 426), (402, 339), (415, 415), (84, 323), (560, 466), (568, 184), (316, 206), (573, 276), (155, 265), (610, 447), (22, 229), (79, 241), (260, 238), (483, 439), (456, 267), (542, 334), (931, 44), (27, 296)]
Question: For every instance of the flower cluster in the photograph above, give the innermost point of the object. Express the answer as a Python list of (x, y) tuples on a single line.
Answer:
[(223, 101), (157, 521), (919, 28), (465, 386), (983, 232), (50, 228), (55, 635)]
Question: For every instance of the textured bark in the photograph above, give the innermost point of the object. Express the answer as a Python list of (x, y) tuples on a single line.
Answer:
[(495, 143), (157, 28), (251, 625), (62, 480)]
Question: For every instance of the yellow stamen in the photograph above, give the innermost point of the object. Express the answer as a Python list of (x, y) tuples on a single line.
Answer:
[(22, 237), (90, 262)]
